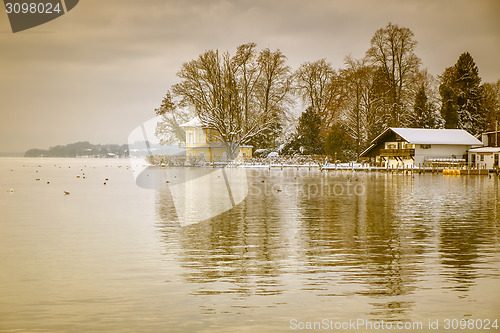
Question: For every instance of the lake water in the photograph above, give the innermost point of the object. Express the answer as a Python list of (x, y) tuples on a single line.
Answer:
[(304, 246)]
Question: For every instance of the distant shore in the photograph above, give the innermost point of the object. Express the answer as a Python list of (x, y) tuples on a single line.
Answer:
[(18, 154)]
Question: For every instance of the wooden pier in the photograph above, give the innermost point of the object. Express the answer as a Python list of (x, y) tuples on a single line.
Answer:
[(452, 170)]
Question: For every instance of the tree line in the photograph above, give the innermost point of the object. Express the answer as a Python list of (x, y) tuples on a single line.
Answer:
[(80, 149), (248, 97)]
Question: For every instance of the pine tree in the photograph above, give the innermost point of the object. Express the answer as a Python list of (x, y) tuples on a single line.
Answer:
[(424, 112), (471, 117), (462, 96), (420, 108), (449, 105), (308, 132)]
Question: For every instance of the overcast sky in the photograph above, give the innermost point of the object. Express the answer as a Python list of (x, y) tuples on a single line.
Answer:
[(99, 71)]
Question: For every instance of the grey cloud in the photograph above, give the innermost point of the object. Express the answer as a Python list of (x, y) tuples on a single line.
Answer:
[(114, 59)]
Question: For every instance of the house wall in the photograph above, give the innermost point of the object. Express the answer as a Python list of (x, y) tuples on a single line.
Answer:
[(398, 145), (195, 137), (217, 153), (439, 151), (398, 163), (197, 146), (245, 153), (489, 139), (197, 152), (421, 154), (483, 160), (381, 144)]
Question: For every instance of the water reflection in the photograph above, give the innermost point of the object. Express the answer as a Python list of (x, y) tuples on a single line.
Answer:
[(290, 239), (467, 230)]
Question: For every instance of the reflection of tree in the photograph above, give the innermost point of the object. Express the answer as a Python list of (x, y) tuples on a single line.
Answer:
[(459, 205), (356, 240), (459, 251), (235, 252), (464, 230), (389, 254), (380, 245)]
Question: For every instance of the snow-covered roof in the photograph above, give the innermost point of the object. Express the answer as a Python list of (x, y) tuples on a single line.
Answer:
[(437, 136), (485, 150), (195, 122), (428, 136)]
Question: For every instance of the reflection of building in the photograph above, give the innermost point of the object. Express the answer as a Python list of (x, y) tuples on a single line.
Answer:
[(486, 157), (201, 143), (418, 146)]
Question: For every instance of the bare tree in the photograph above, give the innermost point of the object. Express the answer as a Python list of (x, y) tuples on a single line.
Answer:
[(273, 93), (248, 73), (357, 110), (392, 50), (236, 98), (168, 130), (320, 87)]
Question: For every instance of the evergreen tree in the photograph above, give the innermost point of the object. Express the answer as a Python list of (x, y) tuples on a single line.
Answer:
[(420, 107), (308, 132), (424, 113), (449, 105), (462, 96)]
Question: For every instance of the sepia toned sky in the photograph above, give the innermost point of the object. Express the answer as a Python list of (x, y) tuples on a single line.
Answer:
[(99, 71)]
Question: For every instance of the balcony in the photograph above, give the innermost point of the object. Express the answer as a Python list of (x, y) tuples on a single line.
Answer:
[(397, 152)]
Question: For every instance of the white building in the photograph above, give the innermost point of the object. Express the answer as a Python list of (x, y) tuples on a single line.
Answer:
[(403, 147), (486, 157)]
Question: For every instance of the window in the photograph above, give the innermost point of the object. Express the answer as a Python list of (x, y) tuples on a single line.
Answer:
[(425, 146), (202, 137), (495, 162), (202, 154), (190, 137), (482, 158)]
